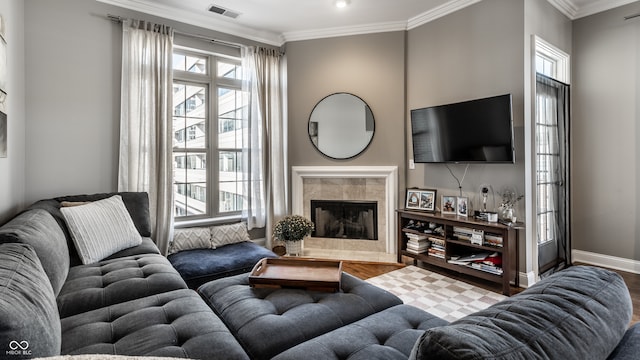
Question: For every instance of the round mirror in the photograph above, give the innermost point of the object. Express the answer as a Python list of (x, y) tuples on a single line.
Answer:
[(341, 126)]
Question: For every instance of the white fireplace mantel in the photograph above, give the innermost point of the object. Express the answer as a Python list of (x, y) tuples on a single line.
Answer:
[(388, 173)]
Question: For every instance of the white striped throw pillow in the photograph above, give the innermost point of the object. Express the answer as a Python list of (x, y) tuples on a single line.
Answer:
[(101, 228)]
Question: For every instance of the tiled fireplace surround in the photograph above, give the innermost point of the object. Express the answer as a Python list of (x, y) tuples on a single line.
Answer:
[(370, 183)]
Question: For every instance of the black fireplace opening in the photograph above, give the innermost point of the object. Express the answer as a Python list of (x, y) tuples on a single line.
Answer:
[(345, 219)]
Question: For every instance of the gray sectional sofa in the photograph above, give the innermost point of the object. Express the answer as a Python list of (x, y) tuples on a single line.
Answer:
[(135, 303)]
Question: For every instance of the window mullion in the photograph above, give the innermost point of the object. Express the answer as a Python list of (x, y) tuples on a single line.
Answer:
[(214, 193)]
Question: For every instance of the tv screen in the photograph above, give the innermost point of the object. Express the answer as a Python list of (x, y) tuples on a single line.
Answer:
[(475, 131)]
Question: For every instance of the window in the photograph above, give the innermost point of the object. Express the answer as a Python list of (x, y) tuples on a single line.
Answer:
[(208, 139)]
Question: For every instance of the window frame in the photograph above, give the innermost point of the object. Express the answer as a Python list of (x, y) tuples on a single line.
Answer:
[(560, 71), (212, 81)]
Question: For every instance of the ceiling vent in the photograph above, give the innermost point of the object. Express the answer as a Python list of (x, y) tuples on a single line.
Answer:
[(222, 11)]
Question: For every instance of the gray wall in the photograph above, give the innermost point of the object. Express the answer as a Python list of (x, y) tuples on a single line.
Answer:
[(605, 146), (73, 87), (12, 168), (473, 53), (369, 66)]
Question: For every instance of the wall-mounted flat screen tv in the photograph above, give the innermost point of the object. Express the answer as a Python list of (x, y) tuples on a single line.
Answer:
[(475, 131)]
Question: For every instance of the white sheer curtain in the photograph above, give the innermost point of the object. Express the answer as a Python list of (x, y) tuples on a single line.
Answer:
[(266, 155), (145, 121)]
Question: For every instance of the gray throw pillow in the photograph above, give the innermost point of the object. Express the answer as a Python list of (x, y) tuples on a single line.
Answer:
[(190, 239), (229, 234), (101, 228)]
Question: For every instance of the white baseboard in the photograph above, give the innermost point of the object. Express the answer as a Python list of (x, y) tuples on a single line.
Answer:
[(607, 261), (526, 279)]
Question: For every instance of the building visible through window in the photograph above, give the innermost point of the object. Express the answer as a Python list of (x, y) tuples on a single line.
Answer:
[(208, 136)]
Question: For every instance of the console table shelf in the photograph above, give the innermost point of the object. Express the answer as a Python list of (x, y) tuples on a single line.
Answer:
[(442, 231)]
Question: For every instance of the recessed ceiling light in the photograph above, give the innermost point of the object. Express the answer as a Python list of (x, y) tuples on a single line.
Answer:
[(341, 3)]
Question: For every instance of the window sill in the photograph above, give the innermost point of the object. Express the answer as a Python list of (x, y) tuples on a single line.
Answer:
[(207, 222)]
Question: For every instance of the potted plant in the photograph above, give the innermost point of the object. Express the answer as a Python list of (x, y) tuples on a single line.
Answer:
[(292, 229)]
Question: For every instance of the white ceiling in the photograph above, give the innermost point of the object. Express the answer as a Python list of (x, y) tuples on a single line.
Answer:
[(278, 21)]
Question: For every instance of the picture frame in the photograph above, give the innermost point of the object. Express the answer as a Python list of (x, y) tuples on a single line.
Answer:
[(428, 200), (421, 199), (462, 206), (448, 205), (413, 199)]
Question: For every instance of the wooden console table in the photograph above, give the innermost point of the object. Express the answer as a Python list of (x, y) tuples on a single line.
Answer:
[(452, 244)]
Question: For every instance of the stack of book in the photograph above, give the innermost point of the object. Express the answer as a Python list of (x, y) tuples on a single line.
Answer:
[(437, 247), (462, 233), (484, 261), (493, 240), (417, 244)]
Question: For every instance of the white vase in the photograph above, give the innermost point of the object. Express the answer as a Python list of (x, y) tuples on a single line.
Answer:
[(294, 248)]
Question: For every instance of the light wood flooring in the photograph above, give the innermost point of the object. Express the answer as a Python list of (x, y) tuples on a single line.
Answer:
[(365, 270)]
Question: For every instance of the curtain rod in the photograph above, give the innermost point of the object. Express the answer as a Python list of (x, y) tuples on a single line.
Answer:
[(120, 20)]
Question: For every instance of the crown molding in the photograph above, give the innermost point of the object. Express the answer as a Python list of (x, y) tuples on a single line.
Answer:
[(345, 31), (438, 12), (203, 21), (567, 7)]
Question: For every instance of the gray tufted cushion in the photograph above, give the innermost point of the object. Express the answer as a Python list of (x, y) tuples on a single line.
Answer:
[(39, 229), (118, 280), (579, 313), (387, 335), (172, 324), (269, 321), (28, 314)]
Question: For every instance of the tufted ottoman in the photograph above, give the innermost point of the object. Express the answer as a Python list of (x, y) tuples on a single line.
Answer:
[(389, 335), (268, 321)]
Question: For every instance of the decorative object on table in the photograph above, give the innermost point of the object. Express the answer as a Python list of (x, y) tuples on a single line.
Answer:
[(510, 198), (448, 205), (292, 230), (462, 206), (421, 199)]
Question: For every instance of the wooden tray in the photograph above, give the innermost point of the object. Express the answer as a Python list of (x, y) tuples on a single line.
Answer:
[(310, 274)]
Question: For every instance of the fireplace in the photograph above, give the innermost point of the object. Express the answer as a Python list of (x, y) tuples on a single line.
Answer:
[(345, 219), (348, 183)]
